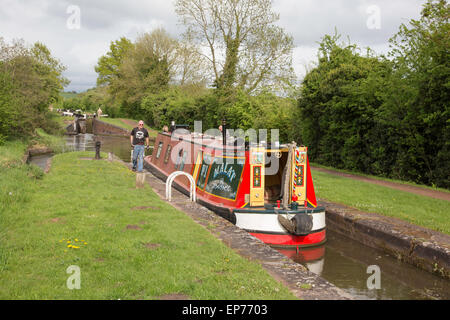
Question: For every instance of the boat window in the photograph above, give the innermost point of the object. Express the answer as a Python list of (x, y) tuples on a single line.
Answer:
[(203, 171), (177, 163), (158, 152), (168, 152), (181, 160), (225, 176)]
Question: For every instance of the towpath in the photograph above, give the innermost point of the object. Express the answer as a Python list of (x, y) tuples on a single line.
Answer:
[(130, 122), (399, 186)]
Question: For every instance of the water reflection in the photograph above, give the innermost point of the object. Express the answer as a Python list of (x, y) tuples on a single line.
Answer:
[(344, 263), (118, 145), (40, 160), (312, 258)]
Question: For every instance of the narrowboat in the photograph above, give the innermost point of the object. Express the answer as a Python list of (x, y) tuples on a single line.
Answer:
[(263, 188)]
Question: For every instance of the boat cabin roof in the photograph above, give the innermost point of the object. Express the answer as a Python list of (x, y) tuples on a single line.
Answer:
[(216, 142)]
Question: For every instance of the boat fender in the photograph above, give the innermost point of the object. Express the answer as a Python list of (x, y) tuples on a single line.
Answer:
[(287, 224), (303, 224)]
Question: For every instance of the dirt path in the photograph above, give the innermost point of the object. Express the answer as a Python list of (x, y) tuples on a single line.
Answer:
[(404, 187)]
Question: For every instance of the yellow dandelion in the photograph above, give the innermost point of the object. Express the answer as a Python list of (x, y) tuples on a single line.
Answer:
[(75, 247), (69, 246), (85, 243), (76, 240), (68, 241)]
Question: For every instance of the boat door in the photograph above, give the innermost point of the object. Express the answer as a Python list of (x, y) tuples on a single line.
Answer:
[(257, 163), (298, 181)]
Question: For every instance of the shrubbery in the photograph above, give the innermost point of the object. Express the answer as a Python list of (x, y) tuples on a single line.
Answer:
[(30, 80), (384, 117)]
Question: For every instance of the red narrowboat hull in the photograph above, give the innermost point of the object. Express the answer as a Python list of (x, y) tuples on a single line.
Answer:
[(222, 176), (287, 240)]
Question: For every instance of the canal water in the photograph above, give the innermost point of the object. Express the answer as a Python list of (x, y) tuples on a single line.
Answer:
[(118, 145), (341, 261), (345, 263)]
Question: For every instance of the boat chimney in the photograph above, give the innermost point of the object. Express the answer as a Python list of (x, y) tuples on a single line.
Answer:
[(224, 131)]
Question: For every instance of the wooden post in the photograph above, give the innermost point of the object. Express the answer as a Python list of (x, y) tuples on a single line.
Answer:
[(97, 150), (224, 131), (140, 180)]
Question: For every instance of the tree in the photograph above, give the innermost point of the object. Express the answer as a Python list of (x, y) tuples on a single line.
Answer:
[(9, 112), (31, 80), (49, 70), (380, 116), (148, 67), (422, 69), (191, 66), (109, 64), (338, 106), (246, 48)]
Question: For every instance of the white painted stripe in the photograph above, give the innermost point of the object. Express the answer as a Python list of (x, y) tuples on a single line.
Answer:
[(269, 222)]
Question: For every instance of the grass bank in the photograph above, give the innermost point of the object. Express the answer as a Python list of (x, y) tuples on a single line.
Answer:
[(127, 242), (127, 124), (409, 183), (43, 139), (420, 210)]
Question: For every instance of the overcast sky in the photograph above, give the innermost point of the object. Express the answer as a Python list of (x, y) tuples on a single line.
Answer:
[(54, 22)]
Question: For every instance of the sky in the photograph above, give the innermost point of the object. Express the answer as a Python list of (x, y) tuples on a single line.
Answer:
[(78, 32)]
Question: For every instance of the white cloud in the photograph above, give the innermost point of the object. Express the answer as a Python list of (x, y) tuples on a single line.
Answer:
[(304, 59)]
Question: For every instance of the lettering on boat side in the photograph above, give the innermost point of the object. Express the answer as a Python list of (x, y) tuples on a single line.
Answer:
[(226, 170), (224, 178), (230, 309)]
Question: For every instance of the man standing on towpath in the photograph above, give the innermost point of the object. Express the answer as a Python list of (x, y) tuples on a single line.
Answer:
[(139, 141)]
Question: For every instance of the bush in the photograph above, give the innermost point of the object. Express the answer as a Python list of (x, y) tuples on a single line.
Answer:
[(379, 116), (30, 80)]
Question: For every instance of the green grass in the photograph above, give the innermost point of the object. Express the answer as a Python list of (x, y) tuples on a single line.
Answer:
[(12, 151), (63, 121), (125, 253), (56, 143), (118, 122), (68, 95), (410, 183), (420, 210)]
